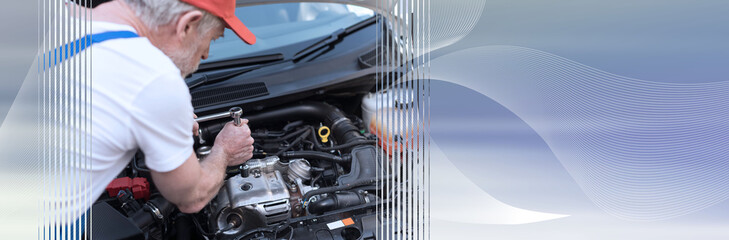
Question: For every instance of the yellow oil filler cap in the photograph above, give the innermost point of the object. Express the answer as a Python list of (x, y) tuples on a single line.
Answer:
[(324, 134)]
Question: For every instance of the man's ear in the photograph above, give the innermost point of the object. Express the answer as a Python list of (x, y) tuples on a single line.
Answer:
[(187, 23)]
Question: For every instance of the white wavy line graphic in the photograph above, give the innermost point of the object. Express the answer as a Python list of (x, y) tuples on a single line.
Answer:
[(640, 150), (458, 199), (444, 22)]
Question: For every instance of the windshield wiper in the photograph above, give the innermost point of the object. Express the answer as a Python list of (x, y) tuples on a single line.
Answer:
[(255, 62), (237, 62), (333, 38)]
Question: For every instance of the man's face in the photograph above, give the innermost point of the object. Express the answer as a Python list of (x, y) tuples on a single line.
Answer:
[(194, 48)]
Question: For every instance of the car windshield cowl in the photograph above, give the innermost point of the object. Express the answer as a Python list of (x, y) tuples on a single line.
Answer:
[(284, 25), (333, 38), (240, 65), (234, 68), (241, 61)]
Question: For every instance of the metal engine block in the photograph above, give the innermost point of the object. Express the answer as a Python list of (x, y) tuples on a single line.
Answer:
[(262, 195)]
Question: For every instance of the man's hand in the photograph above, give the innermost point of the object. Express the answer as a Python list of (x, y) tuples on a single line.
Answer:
[(235, 142), (192, 185), (195, 126)]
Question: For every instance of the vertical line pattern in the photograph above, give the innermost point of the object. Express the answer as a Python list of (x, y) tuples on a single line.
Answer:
[(63, 78), (63, 119), (54, 98), (90, 116), (403, 69), (426, 117), (87, 112), (402, 118), (72, 80), (42, 77), (378, 117)]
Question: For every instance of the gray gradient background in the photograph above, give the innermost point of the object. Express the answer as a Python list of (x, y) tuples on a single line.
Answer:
[(662, 41), (19, 167), (19, 44), (657, 40)]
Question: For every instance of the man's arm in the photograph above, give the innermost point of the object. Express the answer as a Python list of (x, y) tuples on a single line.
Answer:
[(193, 184), (161, 128)]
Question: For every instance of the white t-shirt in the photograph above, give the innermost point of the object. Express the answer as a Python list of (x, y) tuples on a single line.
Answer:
[(138, 101)]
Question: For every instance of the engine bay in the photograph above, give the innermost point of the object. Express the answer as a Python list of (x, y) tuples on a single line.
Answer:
[(298, 170), (319, 162), (313, 175)]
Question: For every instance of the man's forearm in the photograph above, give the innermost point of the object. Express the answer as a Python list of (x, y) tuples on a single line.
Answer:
[(191, 186), (209, 181), (214, 167)]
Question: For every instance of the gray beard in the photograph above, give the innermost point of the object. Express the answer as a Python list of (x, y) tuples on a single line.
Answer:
[(184, 61)]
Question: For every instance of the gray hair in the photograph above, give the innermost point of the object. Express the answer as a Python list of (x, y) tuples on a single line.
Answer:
[(156, 13)]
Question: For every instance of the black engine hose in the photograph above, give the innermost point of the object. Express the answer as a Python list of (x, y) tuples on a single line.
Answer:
[(318, 145), (348, 145), (147, 217), (272, 229), (288, 136), (339, 200), (359, 183), (317, 155), (294, 143), (342, 128), (267, 134)]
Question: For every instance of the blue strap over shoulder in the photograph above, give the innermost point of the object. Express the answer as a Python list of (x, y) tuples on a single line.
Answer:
[(70, 49)]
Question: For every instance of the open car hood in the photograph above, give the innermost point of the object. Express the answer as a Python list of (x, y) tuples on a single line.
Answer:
[(379, 6)]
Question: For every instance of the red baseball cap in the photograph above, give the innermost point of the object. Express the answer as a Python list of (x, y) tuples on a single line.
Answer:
[(225, 9)]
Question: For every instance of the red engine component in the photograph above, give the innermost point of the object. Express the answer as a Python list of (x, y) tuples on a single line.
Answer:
[(139, 187)]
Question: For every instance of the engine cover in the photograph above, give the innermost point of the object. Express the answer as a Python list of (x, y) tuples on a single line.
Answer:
[(261, 198)]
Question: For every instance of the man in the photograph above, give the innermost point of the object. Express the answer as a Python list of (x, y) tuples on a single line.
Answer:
[(141, 102)]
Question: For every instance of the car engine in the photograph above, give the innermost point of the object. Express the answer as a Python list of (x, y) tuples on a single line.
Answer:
[(313, 166)]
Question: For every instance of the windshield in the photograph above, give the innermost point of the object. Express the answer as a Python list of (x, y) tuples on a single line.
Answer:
[(277, 25)]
